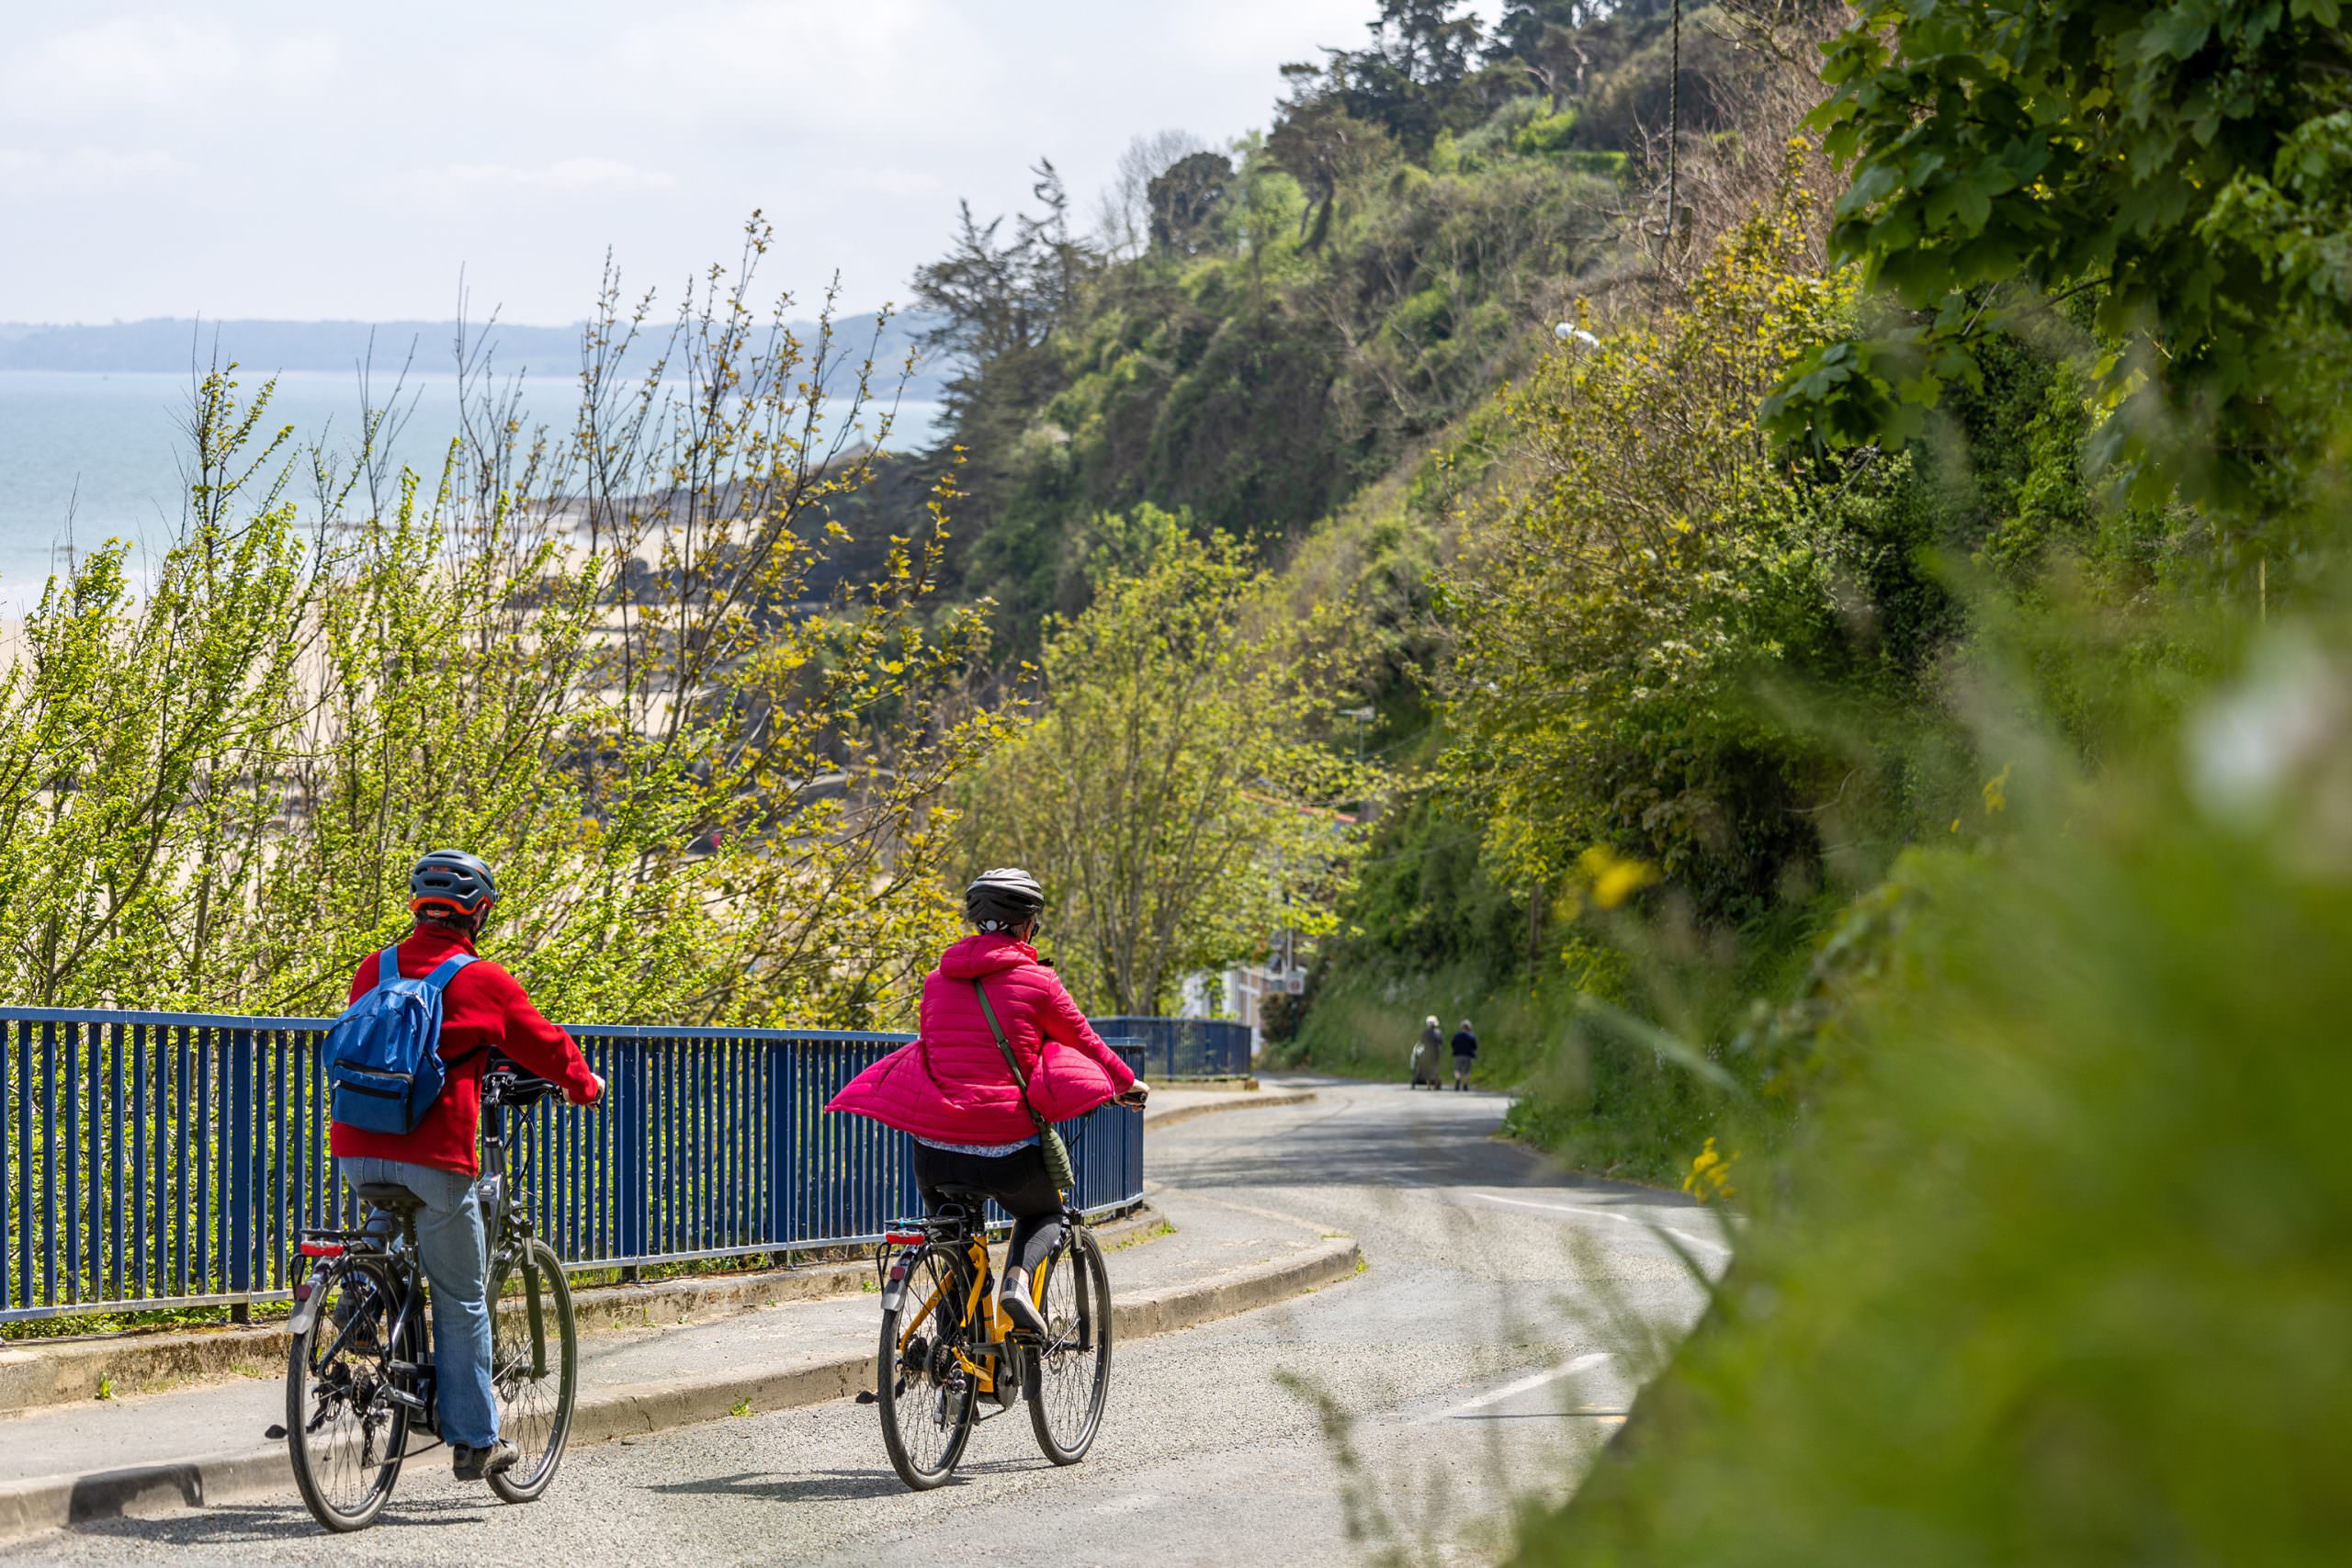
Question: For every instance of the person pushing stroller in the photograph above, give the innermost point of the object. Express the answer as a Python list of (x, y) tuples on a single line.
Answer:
[(1426, 1052)]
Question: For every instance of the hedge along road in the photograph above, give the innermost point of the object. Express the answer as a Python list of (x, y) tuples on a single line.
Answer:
[(1491, 1345)]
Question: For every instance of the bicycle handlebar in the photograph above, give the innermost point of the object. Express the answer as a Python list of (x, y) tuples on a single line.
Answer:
[(504, 1082)]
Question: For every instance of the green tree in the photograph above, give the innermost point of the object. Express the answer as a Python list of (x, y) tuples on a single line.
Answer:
[(1172, 787), (1412, 78), (1185, 200)]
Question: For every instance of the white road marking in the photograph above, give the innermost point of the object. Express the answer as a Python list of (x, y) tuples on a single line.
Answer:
[(1606, 1214), (1585, 1362)]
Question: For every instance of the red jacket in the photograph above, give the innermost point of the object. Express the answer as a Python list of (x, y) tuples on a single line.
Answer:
[(952, 1085), (482, 1007)]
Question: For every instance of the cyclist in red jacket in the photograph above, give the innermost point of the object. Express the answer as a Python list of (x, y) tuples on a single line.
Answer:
[(951, 1091), (483, 1010)]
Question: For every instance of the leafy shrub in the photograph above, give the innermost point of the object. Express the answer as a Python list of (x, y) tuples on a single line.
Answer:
[(2054, 1274), (1553, 134)]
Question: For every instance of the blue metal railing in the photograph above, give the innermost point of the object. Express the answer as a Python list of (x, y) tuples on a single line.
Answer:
[(173, 1159), (1183, 1047)]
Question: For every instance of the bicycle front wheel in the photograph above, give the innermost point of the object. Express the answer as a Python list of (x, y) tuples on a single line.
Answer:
[(926, 1394), (534, 1366), (344, 1430), (1069, 1374)]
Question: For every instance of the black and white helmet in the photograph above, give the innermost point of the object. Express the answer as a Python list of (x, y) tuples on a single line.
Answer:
[(455, 879), (1003, 899)]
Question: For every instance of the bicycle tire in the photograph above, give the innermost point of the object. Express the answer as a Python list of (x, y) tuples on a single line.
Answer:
[(533, 1388), (924, 1390), (1069, 1374), (343, 1482)]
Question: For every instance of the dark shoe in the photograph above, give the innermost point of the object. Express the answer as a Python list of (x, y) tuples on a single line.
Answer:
[(478, 1465)]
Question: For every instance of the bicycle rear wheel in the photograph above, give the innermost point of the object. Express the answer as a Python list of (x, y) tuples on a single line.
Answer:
[(1070, 1373), (534, 1366), (926, 1395), (344, 1431)]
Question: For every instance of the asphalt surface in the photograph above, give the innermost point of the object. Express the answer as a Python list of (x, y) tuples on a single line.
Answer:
[(1505, 1315)]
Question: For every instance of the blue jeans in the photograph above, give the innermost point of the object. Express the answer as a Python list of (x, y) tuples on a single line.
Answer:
[(451, 1246)]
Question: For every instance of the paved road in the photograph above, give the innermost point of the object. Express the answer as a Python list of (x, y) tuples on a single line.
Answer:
[(1505, 1315)]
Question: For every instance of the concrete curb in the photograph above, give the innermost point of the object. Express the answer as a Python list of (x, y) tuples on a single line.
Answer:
[(1260, 1102), (54, 1502), (34, 1376)]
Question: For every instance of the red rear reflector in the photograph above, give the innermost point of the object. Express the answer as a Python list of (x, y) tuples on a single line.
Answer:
[(903, 1238), (323, 1249)]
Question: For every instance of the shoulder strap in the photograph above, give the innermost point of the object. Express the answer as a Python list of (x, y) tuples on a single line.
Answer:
[(387, 965), (988, 1011), (447, 969)]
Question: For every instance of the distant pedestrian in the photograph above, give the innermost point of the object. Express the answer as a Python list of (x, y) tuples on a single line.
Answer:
[(1465, 1052), (1426, 1052)]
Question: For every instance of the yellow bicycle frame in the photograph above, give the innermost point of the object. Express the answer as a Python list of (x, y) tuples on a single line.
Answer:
[(978, 1307)]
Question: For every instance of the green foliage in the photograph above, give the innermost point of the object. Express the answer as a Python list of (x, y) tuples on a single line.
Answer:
[(1612, 621), (593, 658), (1171, 788), (2142, 152), (1425, 898), (1920, 1355), (1414, 76), (1541, 137)]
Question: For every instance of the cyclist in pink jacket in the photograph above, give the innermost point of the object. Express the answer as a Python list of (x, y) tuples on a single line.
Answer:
[(951, 1091)]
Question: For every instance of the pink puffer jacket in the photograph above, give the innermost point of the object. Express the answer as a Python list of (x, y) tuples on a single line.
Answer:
[(951, 1084)]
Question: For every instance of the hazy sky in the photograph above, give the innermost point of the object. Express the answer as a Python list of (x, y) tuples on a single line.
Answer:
[(258, 157)]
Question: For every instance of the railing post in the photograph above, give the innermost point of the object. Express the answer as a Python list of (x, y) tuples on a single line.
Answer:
[(15, 1213), (629, 1193), (49, 1167), (237, 1201), (781, 1058)]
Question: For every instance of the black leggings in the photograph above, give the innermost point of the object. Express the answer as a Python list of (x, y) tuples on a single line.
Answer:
[(1017, 1181)]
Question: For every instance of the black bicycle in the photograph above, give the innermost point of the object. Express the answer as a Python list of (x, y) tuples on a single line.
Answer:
[(947, 1349), (359, 1378)]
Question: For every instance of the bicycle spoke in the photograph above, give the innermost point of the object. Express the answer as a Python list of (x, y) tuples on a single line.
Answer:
[(533, 1361), (344, 1430), (1072, 1373), (926, 1394)]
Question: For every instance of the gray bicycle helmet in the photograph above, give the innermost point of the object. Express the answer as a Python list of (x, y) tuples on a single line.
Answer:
[(454, 879), (1003, 899)]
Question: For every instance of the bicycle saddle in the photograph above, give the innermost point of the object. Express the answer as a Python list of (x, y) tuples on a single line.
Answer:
[(954, 1193), (389, 1195)]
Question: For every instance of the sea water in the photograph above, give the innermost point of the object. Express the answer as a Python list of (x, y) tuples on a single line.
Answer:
[(88, 456)]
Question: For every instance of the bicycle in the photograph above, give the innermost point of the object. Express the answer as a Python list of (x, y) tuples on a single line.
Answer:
[(359, 1374), (946, 1347)]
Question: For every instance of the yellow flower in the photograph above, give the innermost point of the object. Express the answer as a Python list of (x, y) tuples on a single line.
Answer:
[(1710, 1177), (1612, 877), (1996, 790)]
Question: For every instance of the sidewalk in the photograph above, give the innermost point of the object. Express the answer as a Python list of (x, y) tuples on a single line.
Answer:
[(204, 1443)]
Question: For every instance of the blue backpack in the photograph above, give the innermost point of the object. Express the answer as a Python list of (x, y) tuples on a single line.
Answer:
[(383, 1055)]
